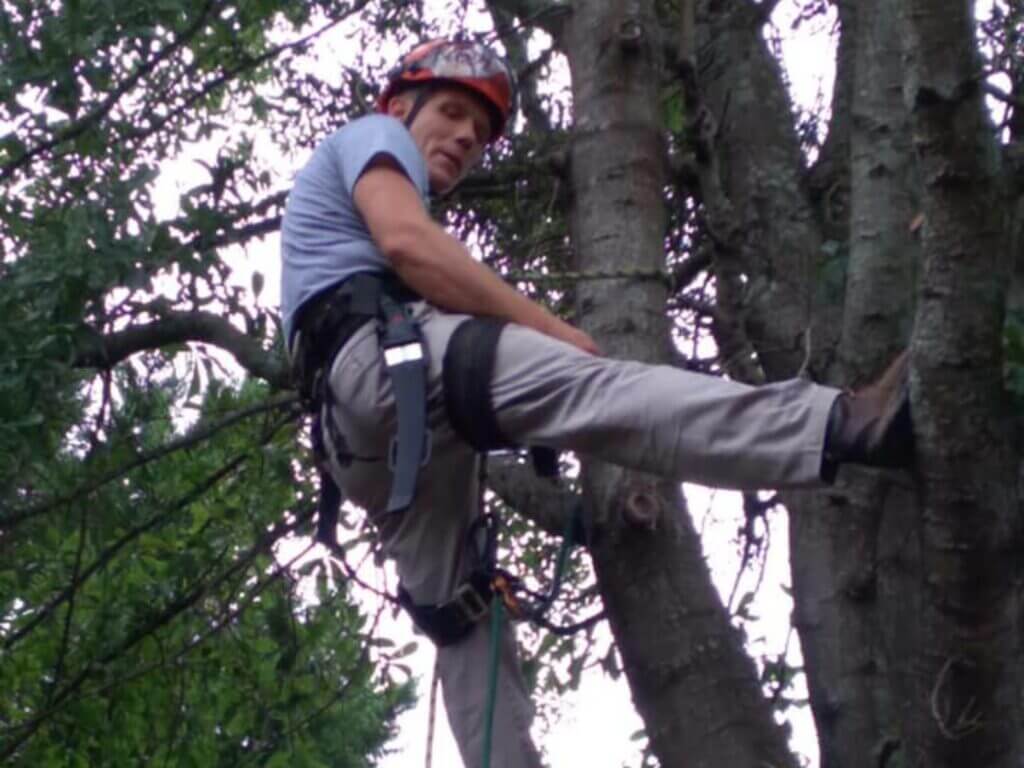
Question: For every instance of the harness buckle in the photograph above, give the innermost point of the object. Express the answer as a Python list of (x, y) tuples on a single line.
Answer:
[(472, 604)]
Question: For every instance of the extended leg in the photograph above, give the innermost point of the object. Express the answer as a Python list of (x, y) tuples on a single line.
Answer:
[(660, 419)]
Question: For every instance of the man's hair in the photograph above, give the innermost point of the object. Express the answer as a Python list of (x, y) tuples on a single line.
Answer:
[(426, 90), (411, 91)]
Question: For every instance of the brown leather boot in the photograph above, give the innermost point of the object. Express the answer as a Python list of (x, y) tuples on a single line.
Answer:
[(872, 426)]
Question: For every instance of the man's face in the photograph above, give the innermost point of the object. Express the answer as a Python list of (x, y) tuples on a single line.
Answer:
[(451, 130)]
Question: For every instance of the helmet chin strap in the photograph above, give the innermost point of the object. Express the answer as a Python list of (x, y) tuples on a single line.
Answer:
[(422, 97)]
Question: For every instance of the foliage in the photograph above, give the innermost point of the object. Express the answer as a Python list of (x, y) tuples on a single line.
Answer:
[(149, 606), (145, 615), (179, 636)]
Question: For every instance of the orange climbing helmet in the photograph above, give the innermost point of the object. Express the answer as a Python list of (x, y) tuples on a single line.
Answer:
[(465, 63)]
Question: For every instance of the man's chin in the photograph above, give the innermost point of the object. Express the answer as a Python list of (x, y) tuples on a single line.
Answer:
[(442, 184)]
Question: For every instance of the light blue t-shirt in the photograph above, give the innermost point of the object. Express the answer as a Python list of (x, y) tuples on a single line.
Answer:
[(323, 236)]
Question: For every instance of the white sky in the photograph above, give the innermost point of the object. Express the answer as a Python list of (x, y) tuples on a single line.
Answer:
[(596, 722)]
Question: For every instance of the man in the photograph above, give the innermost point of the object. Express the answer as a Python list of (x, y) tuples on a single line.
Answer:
[(357, 210)]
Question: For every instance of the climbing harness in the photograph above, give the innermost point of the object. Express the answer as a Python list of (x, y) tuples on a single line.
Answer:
[(324, 325)]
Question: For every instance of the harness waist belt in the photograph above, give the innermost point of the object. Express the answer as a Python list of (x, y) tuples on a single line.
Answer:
[(326, 322)]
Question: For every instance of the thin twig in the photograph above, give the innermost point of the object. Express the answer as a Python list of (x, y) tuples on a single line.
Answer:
[(185, 601), (100, 110), (188, 440), (107, 556), (58, 671)]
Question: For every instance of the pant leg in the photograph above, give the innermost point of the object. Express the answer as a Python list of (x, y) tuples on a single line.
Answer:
[(659, 419), (464, 669), (428, 542)]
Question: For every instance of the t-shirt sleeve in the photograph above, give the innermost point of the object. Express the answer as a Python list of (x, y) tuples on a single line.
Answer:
[(355, 149)]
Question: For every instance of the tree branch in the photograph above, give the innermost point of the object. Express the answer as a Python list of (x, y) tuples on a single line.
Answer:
[(548, 16), (518, 57), (103, 108), (192, 438), (1002, 95), (105, 352), (723, 227), (540, 501), (241, 234), (229, 74)]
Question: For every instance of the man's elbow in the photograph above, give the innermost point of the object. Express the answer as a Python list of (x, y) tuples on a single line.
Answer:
[(406, 248)]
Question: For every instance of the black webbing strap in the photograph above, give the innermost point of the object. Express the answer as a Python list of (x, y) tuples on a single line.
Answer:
[(467, 371), (451, 621), (328, 320), (329, 504)]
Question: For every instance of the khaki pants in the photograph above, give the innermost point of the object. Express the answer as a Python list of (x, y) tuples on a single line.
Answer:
[(656, 419)]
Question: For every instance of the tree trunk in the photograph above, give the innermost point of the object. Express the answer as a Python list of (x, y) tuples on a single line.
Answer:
[(836, 542), (691, 680), (962, 693)]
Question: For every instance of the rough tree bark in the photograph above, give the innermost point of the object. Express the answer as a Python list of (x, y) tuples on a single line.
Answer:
[(835, 535), (964, 701), (691, 680), (778, 224)]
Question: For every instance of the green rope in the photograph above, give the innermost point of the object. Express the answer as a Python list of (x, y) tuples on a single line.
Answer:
[(497, 614), (497, 617)]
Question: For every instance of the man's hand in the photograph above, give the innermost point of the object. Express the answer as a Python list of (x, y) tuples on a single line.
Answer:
[(580, 339)]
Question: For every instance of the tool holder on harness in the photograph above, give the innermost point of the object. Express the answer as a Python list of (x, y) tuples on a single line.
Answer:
[(324, 325), (405, 360)]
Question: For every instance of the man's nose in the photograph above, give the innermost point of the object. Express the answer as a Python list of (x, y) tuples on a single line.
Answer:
[(465, 135)]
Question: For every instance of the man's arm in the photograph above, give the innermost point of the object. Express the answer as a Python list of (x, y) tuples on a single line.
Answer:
[(439, 267)]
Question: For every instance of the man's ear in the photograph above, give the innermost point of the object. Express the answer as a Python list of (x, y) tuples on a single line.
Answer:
[(398, 106)]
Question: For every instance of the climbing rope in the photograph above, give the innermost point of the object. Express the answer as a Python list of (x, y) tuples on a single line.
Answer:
[(504, 598), (432, 714), (623, 273), (497, 619)]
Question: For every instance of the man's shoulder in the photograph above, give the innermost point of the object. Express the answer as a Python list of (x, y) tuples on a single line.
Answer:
[(377, 126), (356, 144)]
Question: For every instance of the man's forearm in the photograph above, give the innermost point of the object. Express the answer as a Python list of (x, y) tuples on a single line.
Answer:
[(439, 268)]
